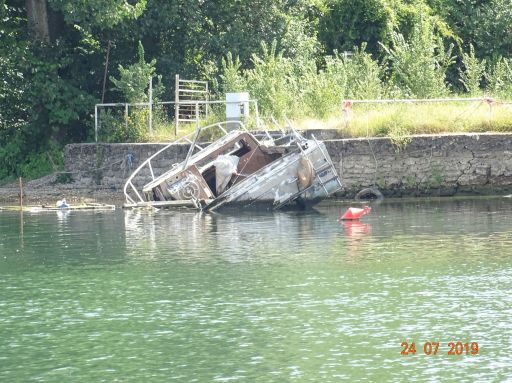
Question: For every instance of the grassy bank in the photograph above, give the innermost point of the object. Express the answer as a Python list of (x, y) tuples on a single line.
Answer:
[(382, 120), (375, 120)]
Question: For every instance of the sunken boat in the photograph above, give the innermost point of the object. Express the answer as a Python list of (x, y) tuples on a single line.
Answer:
[(242, 168)]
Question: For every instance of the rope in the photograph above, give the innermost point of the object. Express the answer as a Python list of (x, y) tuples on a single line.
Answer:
[(465, 110), (371, 149), (238, 174), (130, 157)]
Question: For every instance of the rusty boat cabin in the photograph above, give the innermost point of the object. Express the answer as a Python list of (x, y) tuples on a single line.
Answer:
[(238, 169), (198, 179)]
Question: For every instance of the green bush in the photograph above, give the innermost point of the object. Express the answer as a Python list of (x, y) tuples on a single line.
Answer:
[(418, 66), (270, 81), (323, 92), (473, 73), (363, 76), (499, 78), (133, 84), (231, 76)]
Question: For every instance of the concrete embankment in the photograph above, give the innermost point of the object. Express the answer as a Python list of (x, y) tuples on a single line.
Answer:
[(421, 165), (424, 165)]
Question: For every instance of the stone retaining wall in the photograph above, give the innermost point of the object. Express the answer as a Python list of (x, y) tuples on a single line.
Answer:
[(422, 165), (107, 166)]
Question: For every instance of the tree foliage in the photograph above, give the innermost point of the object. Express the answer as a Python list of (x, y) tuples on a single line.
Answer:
[(287, 53), (97, 13), (133, 80), (349, 23), (419, 65), (483, 23)]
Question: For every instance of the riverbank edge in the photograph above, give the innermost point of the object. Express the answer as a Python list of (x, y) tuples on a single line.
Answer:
[(415, 166)]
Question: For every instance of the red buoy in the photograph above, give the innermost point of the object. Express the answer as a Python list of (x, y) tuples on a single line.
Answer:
[(355, 213)]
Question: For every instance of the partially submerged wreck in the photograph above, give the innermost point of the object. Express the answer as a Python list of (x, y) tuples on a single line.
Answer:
[(241, 168)]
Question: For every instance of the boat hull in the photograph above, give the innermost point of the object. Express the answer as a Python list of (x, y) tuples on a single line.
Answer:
[(278, 184)]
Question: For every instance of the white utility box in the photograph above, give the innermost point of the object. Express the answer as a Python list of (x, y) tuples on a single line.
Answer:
[(237, 106)]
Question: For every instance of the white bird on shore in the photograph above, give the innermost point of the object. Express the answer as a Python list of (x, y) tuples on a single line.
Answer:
[(62, 204)]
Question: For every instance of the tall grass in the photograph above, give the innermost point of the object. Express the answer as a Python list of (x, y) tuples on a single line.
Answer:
[(270, 80), (354, 77), (394, 120), (499, 78), (473, 73), (402, 119)]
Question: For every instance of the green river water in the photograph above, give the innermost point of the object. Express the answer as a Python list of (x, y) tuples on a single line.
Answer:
[(254, 296)]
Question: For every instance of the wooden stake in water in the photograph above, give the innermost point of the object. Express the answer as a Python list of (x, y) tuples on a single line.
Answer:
[(21, 212), (21, 194)]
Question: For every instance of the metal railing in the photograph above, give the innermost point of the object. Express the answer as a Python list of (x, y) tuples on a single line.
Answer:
[(133, 196), (188, 93), (151, 107), (470, 113)]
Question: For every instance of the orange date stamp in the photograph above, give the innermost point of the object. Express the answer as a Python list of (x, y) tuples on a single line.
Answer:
[(434, 348)]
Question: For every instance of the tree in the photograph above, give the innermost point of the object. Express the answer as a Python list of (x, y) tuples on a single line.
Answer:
[(483, 23), (349, 23), (97, 13), (48, 78), (133, 80)]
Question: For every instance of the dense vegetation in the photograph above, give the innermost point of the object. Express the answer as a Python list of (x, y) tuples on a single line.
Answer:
[(287, 53)]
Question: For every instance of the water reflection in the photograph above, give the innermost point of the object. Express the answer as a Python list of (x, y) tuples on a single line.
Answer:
[(234, 235), (356, 229), (256, 296), (22, 230), (51, 237), (63, 215), (356, 233)]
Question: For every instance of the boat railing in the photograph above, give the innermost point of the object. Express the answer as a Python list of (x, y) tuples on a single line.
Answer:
[(134, 195)]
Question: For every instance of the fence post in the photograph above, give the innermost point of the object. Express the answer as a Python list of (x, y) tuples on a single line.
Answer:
[(257, 112), (176, 104), (96, 123), (151, 106), (207, 99), (126, 118), (197, 115), (21, 194), (490, 102)]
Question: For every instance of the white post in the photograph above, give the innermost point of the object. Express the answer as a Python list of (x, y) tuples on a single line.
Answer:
[(176, 104), (96, 123), (151, 106), (197, 115), (207, 98)]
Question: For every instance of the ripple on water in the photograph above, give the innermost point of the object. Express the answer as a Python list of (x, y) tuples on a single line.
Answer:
[(257, 296)]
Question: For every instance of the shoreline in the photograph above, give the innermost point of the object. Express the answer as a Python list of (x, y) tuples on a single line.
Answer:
[(47, 191), (422, 165), (43, 191), (437, 165)]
